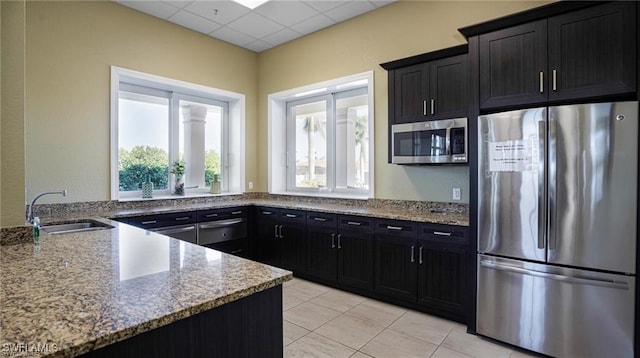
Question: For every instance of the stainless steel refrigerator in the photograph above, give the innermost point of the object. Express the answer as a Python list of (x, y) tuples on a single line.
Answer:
[(557, 219)]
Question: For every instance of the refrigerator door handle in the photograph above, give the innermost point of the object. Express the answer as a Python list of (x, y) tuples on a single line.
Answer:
[(542, 183), (552, 276)]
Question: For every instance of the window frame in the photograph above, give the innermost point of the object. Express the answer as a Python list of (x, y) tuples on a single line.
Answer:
[(232, 159), (281, 164)]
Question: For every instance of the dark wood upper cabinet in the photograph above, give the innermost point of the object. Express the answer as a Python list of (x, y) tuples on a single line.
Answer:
[(410, 92), (448, 92), (513, 65), (582, 54), (430, 91), (429, 86), (592, 52)]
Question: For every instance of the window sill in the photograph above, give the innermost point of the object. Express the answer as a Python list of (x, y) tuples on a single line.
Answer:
[(324, 195), (169, 197)]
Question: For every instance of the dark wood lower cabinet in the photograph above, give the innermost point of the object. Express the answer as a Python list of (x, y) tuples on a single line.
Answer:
[(355, 259), (423, 266), (249, 327), (418, 265), (441, 278), (322, 259), (396, 271)]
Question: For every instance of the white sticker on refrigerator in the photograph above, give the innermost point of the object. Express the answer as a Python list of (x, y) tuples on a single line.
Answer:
[(513, 155)]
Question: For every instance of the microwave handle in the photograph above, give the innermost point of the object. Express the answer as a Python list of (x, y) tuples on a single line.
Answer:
[(448, 141)]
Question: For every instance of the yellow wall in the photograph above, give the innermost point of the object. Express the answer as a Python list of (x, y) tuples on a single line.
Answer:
[(398, 30), (70, 46), (12, 125)]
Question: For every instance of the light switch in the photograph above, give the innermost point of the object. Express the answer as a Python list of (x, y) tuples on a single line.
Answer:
[(250, 185)]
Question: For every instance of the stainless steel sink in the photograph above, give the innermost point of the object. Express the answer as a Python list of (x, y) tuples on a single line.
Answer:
[(66, 228)]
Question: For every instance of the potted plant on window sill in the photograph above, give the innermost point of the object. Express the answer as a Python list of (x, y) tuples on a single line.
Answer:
[(177, 170)]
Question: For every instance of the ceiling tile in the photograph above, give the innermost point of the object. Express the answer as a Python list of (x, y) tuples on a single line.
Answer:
[(270, 24), (255, 25), (232, 36), (177, 3), (155, 8), (281, 37), (194, 22), (227, 11), (381, 3), (286, 13), (313, 24), (322, 5), (349, 10), (258, 46)]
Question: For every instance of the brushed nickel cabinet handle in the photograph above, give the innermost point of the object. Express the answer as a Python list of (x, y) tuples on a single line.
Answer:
[(420, 255), (389, 227), (433, 106), (541, 82), (554, 80), (424, 107), (413, 258), (333, 241)]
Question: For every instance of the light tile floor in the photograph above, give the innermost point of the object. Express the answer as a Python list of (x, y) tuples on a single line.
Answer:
[(324, 322)]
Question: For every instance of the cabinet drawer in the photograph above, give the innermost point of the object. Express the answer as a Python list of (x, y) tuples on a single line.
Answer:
[(160, 220), (293, 216), (397, 228), (221, 214), (321, 219), (451, 236), (266, 212), (359, 223)]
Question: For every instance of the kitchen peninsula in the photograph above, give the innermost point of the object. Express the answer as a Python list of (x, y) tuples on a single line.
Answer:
[(130, 292)]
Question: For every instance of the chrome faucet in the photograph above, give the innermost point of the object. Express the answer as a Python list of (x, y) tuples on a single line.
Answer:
[(30, 210)]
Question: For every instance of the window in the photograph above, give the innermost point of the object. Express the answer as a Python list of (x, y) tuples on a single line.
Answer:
[(158, 121), (321, 139)]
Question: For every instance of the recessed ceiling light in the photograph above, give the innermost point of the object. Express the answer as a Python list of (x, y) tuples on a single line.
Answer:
[(251, 4)]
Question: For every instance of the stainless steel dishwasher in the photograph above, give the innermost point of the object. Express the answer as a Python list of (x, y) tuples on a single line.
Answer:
[(227, 233)]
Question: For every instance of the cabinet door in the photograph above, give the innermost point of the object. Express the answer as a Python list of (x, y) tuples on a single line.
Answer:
[(396, 272), (441, 277), (513, 66), (293, 233), (448, 93), (268, 243), (293, 246), (322, 248), (410, 88), (442, 269), (593, 51), (355, 258)]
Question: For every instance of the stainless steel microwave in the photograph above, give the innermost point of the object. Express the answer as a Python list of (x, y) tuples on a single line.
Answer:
[(433, 142)]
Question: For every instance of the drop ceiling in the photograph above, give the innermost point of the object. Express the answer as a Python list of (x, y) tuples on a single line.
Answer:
[(268, 25)]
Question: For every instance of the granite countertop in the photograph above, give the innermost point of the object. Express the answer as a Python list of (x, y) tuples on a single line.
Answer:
[(436, 214), (78, 292)]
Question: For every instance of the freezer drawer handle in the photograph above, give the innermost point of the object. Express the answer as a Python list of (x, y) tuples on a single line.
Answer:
[(221, 223), (551, 276)]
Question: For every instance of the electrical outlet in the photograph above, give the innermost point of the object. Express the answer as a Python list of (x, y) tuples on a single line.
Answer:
[(456, 193), (250, 185)]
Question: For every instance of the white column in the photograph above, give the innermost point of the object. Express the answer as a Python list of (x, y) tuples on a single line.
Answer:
[(194, 122)]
